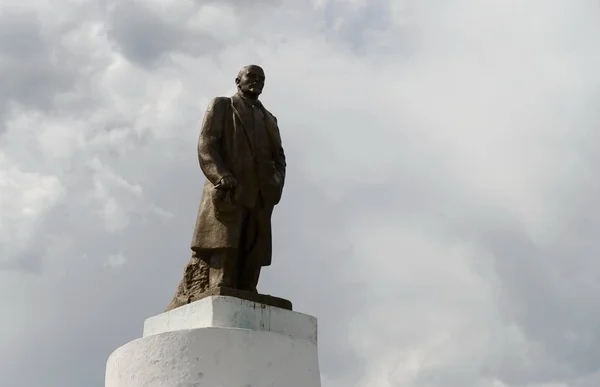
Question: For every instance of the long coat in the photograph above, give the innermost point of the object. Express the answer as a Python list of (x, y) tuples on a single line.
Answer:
[(224, 149)]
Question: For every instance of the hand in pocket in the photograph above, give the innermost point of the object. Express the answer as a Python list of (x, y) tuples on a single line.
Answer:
[(224, 203), (277, 177)]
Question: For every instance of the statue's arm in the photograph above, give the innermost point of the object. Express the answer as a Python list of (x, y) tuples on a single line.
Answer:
[(280, 163), (209, 143)]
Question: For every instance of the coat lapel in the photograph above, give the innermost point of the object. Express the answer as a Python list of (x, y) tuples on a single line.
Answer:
[(239, 110), (271, 127), (239, 113), (238, 107)]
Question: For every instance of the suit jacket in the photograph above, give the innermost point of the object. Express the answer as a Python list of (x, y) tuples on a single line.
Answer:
[(224, 149)]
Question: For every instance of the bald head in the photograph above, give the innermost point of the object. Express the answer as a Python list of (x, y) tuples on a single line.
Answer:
[(250, 81), (252, 68)]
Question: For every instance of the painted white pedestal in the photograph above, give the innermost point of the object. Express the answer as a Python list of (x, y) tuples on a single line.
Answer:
[(220, 341)]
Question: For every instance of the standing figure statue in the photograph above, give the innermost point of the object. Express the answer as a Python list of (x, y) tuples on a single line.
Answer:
[(242, 158)]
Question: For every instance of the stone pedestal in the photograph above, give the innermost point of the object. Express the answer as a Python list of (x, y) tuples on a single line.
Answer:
[(220, 341)]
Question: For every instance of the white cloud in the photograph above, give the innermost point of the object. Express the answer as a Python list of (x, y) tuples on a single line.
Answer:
[(117, 198), (116, 261), (26, 198)]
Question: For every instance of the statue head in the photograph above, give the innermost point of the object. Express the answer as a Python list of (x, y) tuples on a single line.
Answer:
[(250, 81)]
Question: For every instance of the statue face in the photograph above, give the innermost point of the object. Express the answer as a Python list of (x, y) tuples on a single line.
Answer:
[(252, 81)]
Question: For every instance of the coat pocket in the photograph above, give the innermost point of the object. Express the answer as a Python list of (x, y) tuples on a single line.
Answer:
[(223, 201), (273, 184)]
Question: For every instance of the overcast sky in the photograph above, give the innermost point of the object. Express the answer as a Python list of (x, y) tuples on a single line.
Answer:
[(442, 207)]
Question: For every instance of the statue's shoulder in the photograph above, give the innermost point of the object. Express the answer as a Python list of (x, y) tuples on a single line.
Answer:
[(270, 114), (218, 103)]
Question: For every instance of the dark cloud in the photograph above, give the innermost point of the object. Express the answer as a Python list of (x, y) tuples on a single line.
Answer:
[(142, 33), (146, 36), (32, 62)]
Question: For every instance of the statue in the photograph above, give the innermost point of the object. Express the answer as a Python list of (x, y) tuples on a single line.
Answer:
[(242, 158)]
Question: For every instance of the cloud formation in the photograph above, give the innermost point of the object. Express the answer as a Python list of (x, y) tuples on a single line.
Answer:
[(440, 211)]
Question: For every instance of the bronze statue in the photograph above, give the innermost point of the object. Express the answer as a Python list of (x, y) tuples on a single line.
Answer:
[(241, 155)]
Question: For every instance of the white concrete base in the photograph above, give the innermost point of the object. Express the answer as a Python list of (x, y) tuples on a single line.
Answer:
[(220, 341)]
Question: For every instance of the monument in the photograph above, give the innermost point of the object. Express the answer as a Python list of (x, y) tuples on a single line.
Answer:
[(242, 157), (218, 330)]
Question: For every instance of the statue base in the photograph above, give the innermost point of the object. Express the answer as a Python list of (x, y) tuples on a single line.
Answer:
[(230, 292), (220, 341), (248, 296)]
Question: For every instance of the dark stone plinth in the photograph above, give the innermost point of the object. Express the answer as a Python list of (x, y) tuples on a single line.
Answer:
[(243, 295), (248, 296)]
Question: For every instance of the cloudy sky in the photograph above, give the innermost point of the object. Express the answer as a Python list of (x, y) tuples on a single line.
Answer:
[(442, 207)]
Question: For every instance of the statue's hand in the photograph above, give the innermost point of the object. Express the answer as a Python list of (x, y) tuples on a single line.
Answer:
[(277, 178), (227, 182)]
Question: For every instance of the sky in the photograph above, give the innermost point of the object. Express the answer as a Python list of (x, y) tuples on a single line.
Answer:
[(442, 201)]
